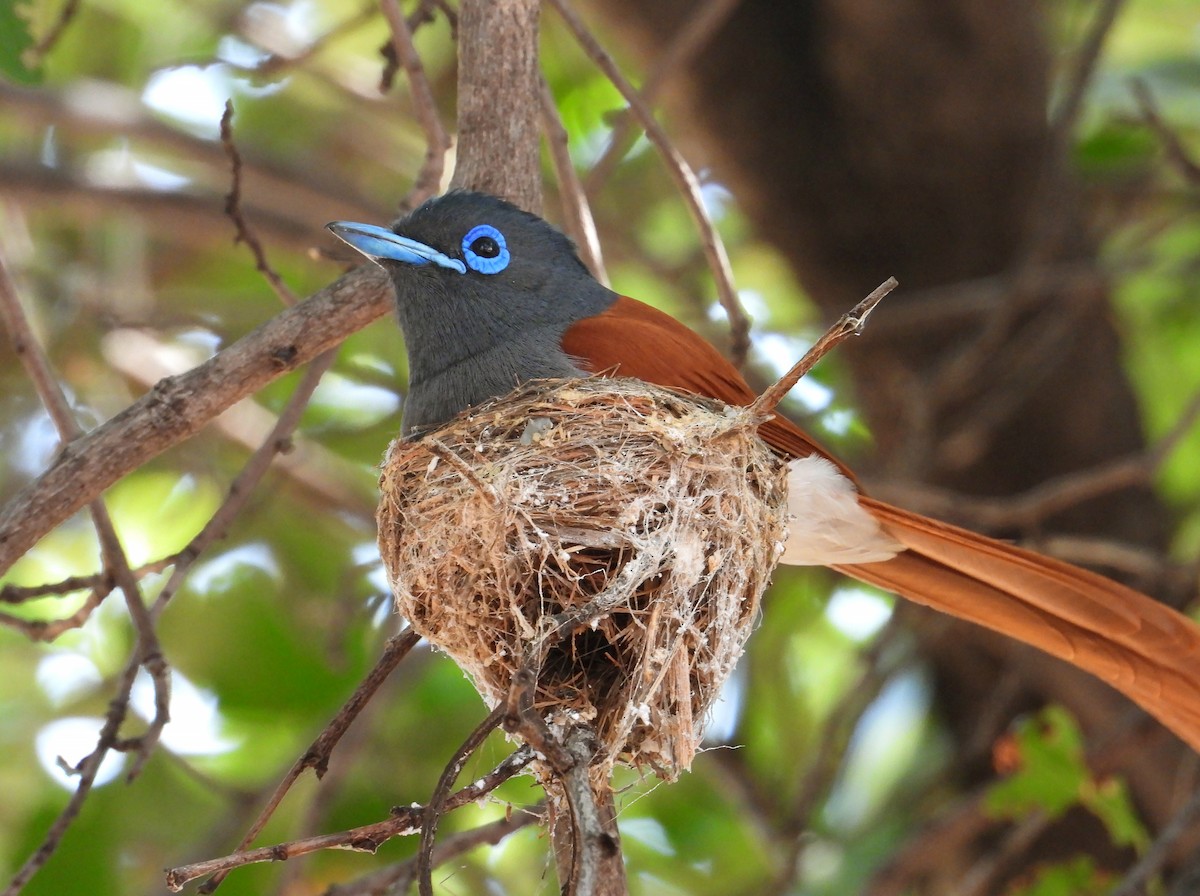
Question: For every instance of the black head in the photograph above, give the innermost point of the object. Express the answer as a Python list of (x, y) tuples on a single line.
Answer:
[(484, 292)]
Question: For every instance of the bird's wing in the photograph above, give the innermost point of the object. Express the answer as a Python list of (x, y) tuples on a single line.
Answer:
[(616, 342)]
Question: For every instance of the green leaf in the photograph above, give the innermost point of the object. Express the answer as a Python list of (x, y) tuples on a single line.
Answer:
[(1077, 877), (1109, 801), (1052, 772), (1054, 776), (15, 42)]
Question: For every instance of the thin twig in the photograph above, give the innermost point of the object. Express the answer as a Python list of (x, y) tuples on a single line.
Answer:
[(85, 769), (1157, 574), (19, 594), (295, 192), (47, 630), (275, 63), (47, 43), (830, 752), (146, 653), (849, 324), (320, 802), (233, 208), (399, 878), (317, 755), (1159, 852), (425, 12), (1172, 144), (685, 178), (405, 821), (244, 483), (1065, 117), (698, 29), (324, 475), (37, 365), (437, 141), (1029, 508), (441, 793), (278, 440), (577, 213), (1043, 240), (983, 876)]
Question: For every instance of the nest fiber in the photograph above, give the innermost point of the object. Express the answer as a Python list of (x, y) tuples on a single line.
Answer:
[(611, 535)]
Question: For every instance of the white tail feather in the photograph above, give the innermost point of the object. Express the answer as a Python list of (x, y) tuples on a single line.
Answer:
[(826, 524)]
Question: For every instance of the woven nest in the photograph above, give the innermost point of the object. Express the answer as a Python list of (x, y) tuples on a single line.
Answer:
[(649, 520)]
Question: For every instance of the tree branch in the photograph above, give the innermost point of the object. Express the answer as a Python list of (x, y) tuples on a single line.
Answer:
[(179, 407)]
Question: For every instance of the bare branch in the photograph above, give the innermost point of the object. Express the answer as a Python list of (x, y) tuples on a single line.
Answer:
[(849, 324), (577, 214), (830, 750), (233, 208), (1042, 243), (399, 878), (179, 407), (48, 630), (1066, 115), (405, 821), (283, 196), (242, 487), (696, 32), (441, 793), (437, 141), (1027, 510), (19, 594), (322, 473), (47, 43), (1176, 151), (317, 755), (147, 653), (86, 769), (685, 178)]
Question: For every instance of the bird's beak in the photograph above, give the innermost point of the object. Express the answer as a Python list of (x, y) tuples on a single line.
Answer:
[(380, 244)]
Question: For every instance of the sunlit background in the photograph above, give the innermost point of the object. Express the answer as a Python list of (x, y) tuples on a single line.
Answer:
[(111, 192)]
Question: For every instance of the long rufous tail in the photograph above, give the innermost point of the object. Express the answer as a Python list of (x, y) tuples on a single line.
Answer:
[(1146, 650), (1141, 647)]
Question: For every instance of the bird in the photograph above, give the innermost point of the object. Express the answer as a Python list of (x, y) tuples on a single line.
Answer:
[(489, 295)]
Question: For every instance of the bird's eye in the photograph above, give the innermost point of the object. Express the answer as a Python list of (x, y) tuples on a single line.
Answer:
[(485, 250), (485, 247)]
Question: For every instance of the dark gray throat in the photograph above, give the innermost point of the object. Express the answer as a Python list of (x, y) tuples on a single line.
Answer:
[(437, 396)]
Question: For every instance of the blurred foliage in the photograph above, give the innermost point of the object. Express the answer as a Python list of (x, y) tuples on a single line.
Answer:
[(1052, 776), (121, 228), (1078, 877)]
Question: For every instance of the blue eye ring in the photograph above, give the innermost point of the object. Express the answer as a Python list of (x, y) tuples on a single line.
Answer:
[(485, 249)]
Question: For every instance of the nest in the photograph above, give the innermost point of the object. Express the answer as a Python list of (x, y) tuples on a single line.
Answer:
[(612, 535)]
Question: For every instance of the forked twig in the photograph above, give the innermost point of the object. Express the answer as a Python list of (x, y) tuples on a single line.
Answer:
[(146, 653), (317, 755), (441, 793), (405, 821)]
